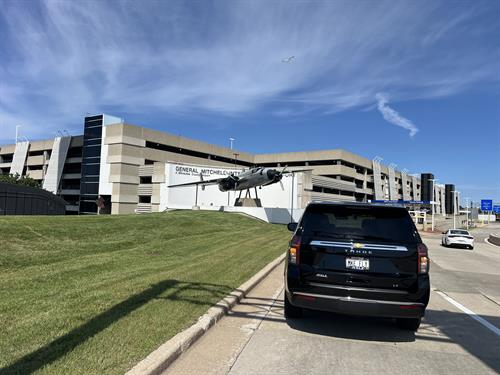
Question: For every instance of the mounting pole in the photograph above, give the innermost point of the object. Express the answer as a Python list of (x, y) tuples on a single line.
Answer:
[(291, 204)]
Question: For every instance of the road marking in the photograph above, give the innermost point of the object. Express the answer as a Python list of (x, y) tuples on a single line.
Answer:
[(472, 314)]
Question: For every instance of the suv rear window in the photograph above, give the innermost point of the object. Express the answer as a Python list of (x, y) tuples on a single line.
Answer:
[(374, 223)]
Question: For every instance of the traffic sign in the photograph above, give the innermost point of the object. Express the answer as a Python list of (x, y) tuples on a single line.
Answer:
[(486, 204), (496, 209)]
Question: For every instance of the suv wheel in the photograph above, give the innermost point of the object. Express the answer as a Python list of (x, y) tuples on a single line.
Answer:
[(291, 311), (410, 324)]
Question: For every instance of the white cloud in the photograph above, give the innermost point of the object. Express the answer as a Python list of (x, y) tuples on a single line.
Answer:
[(61, 60), (392, 116)]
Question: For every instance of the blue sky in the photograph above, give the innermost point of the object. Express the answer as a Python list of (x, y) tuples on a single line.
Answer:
[(415, 82)]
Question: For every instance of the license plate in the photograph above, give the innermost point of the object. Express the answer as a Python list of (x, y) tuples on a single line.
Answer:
[(361, 264)]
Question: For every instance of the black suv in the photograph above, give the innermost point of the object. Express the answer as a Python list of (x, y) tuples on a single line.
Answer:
[(361, 259)]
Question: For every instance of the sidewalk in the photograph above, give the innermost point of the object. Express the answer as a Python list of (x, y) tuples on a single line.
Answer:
[(217, 351)]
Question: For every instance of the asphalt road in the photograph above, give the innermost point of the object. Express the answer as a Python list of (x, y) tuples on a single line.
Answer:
[(460, 332)]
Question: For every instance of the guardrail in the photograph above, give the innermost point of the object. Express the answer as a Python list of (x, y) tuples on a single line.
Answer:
[(494, 239)]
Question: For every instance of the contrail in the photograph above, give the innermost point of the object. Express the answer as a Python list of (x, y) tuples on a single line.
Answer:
[(390, 115)]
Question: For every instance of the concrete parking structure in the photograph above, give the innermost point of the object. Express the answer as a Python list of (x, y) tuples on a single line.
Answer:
[(123, 165)]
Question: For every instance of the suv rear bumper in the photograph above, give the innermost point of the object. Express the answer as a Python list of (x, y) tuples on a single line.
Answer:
[(356, 306)]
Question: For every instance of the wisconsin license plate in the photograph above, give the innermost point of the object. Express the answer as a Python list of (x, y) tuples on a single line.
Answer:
[(361, 264)]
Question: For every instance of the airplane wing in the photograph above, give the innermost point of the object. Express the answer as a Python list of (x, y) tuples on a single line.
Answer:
[(297, 171), (206, 182)]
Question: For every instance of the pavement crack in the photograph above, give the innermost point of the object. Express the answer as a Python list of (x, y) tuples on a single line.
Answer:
[(489, 298)]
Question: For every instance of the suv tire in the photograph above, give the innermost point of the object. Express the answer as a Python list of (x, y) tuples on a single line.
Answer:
[(291, 311), (410, 324)]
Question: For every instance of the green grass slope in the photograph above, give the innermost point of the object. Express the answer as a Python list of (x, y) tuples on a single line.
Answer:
[(94, 295)]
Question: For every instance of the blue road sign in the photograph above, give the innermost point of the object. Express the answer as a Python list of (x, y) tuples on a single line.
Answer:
[(486, 204), (496, 209)]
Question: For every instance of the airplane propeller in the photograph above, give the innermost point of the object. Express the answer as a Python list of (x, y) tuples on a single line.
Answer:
[(281, 176), (275, 176)]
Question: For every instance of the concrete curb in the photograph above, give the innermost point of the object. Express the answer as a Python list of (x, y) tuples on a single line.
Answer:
[(493, 239), (158, 361), (490, 243)]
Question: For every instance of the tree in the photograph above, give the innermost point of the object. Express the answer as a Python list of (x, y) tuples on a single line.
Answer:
[(16, 179)]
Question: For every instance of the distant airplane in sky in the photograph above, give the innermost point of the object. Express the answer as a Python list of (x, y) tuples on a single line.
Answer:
[(288, 59)]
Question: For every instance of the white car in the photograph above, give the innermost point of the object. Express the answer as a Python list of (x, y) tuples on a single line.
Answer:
[(457, 237)]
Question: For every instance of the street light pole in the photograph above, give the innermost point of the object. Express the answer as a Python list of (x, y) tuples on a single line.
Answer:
[(235, 154), (432, 203), (432, 207), (454, 209), (231, 140), (471, 208), (235, 158), (467, 211), (291, 204)]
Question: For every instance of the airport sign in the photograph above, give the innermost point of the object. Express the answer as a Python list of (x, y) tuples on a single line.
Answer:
[(486, 204)]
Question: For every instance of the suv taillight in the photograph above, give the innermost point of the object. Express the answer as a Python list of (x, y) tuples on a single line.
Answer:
[(294, 250), (423, 259)]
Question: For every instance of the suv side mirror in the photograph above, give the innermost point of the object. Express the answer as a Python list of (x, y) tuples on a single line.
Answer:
[(292, 226)]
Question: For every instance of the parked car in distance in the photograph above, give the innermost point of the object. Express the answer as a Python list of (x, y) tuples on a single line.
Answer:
[(358, 259), (458, 237)]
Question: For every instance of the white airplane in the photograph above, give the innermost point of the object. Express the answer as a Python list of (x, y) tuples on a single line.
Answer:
[(252, 178)]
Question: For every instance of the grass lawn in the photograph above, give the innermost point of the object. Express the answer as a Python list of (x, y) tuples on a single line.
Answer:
[(94, 295)]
